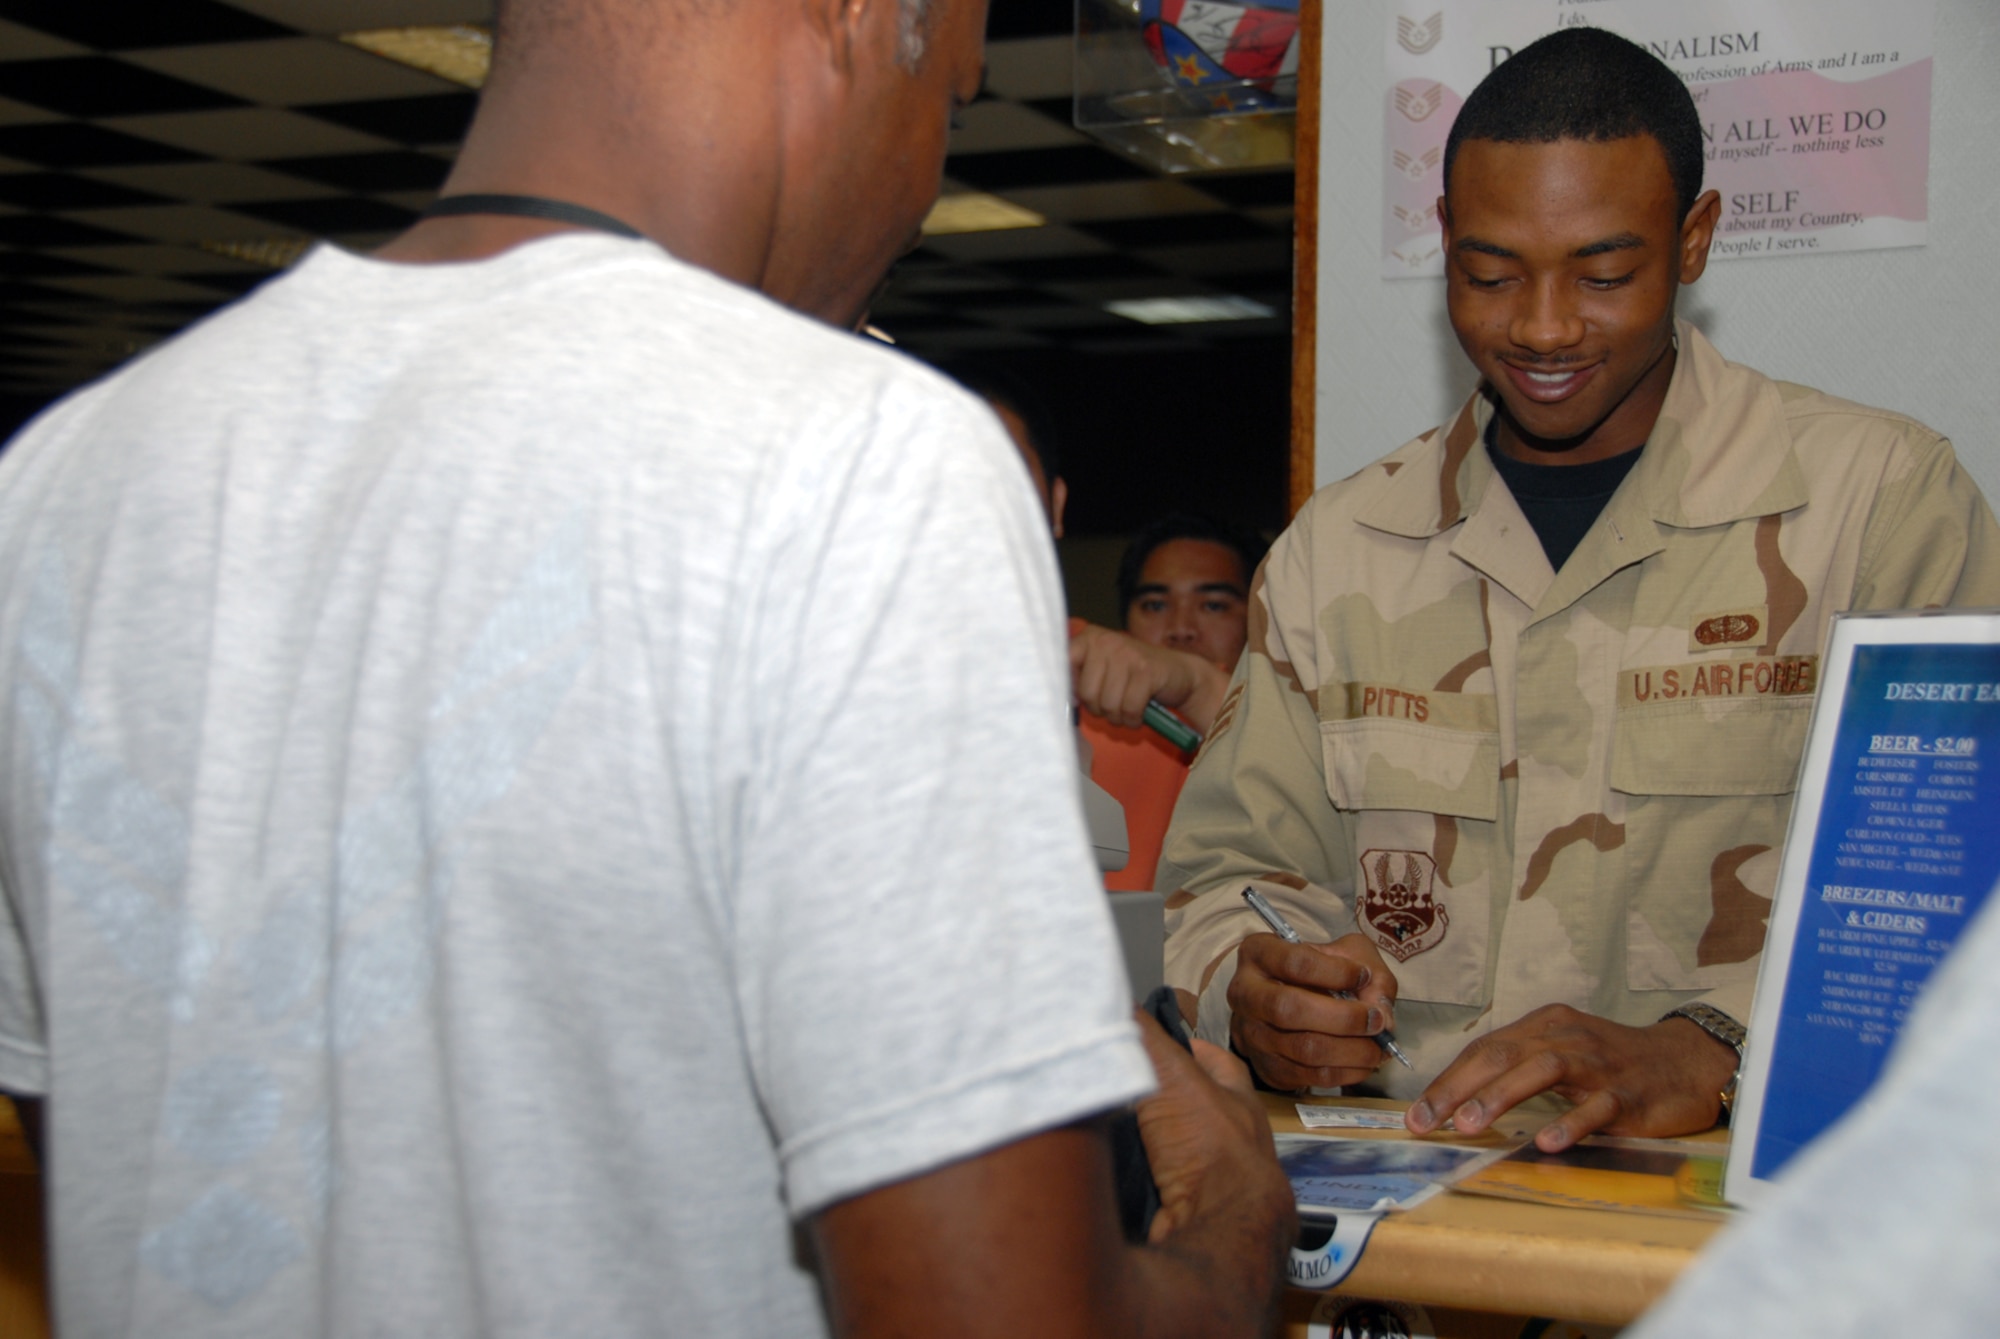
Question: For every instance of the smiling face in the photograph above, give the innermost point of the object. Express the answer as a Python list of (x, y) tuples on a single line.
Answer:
[(1562, 262), (1191, 597)]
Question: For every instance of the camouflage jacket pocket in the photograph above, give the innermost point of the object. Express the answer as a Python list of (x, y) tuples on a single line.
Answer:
[(1746, 747), (1374, 763)]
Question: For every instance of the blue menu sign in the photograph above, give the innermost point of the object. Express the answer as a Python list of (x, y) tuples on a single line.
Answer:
[(1906, 846)]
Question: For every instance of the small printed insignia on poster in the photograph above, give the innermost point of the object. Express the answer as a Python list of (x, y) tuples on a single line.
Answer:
[(1418, 38)]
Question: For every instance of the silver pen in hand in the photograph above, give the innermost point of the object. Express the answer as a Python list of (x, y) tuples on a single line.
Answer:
[(1283, 929)]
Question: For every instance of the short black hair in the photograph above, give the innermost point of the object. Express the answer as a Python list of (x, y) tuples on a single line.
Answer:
[(998, 386), (1585, 84), (1245, 543)]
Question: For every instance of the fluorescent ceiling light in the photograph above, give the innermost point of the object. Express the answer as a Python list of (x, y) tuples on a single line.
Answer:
[(976, 211), (1187, 311), (460, 52), (277, 252)]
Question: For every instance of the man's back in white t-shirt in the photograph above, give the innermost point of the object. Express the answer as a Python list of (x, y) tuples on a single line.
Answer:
[(528, 774), (521, 802)]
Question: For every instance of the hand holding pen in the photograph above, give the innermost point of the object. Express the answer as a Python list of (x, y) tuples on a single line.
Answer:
[(1283, 929), (1131, 683)]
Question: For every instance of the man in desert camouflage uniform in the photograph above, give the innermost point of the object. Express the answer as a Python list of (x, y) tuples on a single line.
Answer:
[(1523, 703)]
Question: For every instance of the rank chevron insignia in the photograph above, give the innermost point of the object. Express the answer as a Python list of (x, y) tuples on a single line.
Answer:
[(1419, 38), (1418, 105), (1416, 219), (1414, 165)]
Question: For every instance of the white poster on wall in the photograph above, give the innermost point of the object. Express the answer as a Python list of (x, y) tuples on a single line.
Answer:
[(1817, 113)]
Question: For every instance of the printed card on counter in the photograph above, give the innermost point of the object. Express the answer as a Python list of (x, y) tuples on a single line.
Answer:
[(1317, 1117), (1892, 848), (1331, 1175)]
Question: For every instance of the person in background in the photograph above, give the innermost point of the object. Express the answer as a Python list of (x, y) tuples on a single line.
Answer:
[(1522, 707), (1181, 591), (1183, 587), (1182, 583), (1029, 425), (511, 820)]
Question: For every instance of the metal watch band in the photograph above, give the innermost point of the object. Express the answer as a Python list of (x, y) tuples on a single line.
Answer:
[(1724, 1029)]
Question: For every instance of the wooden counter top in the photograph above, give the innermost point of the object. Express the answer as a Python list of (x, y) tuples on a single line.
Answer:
[(1474, 1253)]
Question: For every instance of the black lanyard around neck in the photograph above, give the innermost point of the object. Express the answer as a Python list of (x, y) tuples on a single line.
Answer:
[(530, 207)]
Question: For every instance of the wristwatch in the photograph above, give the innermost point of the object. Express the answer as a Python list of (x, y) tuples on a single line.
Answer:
[(1724, 1029)]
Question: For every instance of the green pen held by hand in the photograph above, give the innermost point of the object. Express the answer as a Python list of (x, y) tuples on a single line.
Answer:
[(1171, 727)]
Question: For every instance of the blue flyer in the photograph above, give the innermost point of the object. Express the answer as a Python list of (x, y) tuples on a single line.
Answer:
[(1331, 1175), (1902, 853)]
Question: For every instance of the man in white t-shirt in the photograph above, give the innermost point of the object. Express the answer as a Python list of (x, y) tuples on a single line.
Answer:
[(507, 825)]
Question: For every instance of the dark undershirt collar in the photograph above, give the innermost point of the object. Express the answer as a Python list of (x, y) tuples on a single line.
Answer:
[(1561, 502)]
